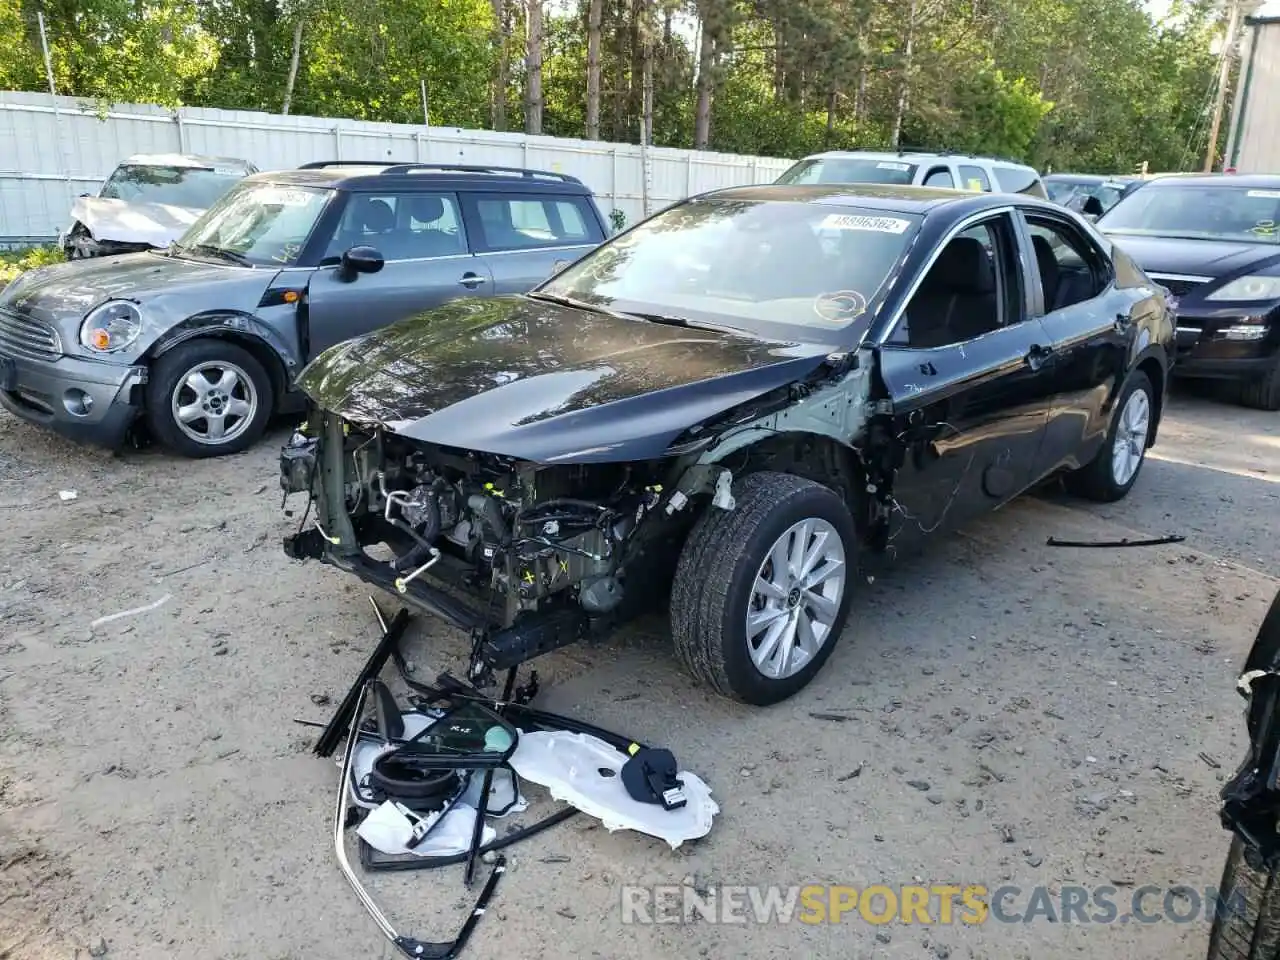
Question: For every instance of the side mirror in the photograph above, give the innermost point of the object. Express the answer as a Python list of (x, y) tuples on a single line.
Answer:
[(359, 260), (1092, 208)]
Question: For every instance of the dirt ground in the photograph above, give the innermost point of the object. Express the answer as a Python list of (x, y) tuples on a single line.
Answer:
[(1072, 713)]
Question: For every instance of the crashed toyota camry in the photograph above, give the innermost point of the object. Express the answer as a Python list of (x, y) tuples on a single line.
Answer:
[(732, 403)]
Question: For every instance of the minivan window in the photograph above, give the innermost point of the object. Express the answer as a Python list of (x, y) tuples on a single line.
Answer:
[(974, 178), (511, 222), (940, 177), (849, 170), (1019, 180)]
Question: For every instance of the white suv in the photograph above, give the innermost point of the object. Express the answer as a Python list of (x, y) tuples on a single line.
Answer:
[(953, 170)]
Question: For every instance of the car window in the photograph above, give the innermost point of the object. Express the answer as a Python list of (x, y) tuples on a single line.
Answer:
[(974, 178), (190, 187), (1024, 180), (1071, 270), (509, 222), (401, 226), (791, 271), (939, 177), (1199, 212), (262, 223), (849, 170), (970, 290)]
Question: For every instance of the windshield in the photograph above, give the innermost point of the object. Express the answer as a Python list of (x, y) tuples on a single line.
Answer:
[(174, 186), (259, 223), (1198, 212), (801, 271), (849, 170)]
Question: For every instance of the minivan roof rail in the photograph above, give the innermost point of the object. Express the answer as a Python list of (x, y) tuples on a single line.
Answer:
[(479, 168)]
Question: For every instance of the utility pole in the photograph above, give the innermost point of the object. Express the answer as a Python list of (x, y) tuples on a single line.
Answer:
[(1224, 73)]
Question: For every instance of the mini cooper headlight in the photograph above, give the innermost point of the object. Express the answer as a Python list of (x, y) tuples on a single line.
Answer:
[(110, 327)]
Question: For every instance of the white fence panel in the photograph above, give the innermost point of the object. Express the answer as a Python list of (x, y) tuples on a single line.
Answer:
[(54, 148)]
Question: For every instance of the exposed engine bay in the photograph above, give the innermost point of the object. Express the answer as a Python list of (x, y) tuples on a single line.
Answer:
[(504, 537)]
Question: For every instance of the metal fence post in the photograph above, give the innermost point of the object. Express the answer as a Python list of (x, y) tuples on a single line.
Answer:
[(182, 131), (337, 143)]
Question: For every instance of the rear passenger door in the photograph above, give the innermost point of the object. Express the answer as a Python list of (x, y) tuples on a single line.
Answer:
[(525, 238), (423, 242), (1086, 319)]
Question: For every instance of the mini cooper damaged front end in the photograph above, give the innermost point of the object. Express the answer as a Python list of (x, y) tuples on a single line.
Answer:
[(534, 470)]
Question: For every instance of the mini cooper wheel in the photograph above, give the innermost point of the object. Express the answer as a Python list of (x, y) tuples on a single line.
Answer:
[(1114, 470), (762, 591), (208, 398)]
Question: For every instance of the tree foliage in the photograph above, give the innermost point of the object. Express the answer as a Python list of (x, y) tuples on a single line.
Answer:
[(1071, 84)]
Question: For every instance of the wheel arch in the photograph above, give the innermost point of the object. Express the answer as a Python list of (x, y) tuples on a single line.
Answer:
[(245, 331), (1150, 364)]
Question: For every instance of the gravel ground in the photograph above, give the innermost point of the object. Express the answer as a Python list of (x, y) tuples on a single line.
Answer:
[(1071, 712)]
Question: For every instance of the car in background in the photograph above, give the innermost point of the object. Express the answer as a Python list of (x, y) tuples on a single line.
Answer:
[(1214, 241), (199, 343), (1075, 191), (910, 168), (722, 392), (148, 202)]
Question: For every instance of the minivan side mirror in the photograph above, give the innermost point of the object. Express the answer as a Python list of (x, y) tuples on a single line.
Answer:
[(1092, 208), (359, 260)]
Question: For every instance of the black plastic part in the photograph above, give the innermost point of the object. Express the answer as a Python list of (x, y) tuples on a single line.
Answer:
[(372, 860), (423, 789), (650, 777), (416, 949), (1154, 542), (531, 638), (345, 715), (390, 720)]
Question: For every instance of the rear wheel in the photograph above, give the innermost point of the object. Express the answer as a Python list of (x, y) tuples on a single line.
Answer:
[(208, 398), (1247, 924), (1115, 469), (1264, 392), (761, 592)]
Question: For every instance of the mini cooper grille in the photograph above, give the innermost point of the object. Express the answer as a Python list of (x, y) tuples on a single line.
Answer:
[(28, 338)]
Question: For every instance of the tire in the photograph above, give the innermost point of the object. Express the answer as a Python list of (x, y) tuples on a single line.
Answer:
[(211, 360), (1249, 926), (1098, 479), (715, 588), (1264, 392)]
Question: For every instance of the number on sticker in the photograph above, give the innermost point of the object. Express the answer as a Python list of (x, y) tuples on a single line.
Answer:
[(851, 221)]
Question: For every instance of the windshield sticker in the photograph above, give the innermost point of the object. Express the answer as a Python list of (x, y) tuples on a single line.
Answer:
[(842, 306), (285, 198), (1265, 194), (975, 184), (1264, 228), (891, 165), (850, 221), (228, 172)]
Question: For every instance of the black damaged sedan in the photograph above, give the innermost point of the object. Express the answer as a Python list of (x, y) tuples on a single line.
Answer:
[(1214, 242), (731, 404)]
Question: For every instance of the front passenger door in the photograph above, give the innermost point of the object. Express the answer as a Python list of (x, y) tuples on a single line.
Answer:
[(966, 385), (427, 262)]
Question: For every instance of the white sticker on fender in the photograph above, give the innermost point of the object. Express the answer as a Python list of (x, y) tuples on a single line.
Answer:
[(851, 221), (1266, 194)]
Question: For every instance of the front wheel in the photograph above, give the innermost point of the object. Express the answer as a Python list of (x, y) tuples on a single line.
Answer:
[(1114, 471), (761, 592), (1246, 925), (1263, 393), (208, 398)]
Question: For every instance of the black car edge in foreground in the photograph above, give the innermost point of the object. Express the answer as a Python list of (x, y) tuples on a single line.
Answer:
[(1214, 242), (1245, 927), (733, 401)]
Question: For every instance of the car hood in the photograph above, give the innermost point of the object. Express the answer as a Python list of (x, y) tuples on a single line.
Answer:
[(1203, 258), (167, 289), (123, 221), (547, 383)]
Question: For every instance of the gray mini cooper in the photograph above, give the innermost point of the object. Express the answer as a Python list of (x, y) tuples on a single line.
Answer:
[(198, 345)]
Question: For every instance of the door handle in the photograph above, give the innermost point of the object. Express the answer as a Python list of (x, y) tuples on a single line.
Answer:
[(471, 280), (1037, 356)]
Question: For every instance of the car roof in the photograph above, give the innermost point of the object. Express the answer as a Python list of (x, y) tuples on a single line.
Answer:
[(354, 175), (910, 155), (1264, 181), (875, 196), (193, 160)]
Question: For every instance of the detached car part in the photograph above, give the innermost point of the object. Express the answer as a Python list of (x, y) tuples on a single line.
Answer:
[(1246, 925)]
